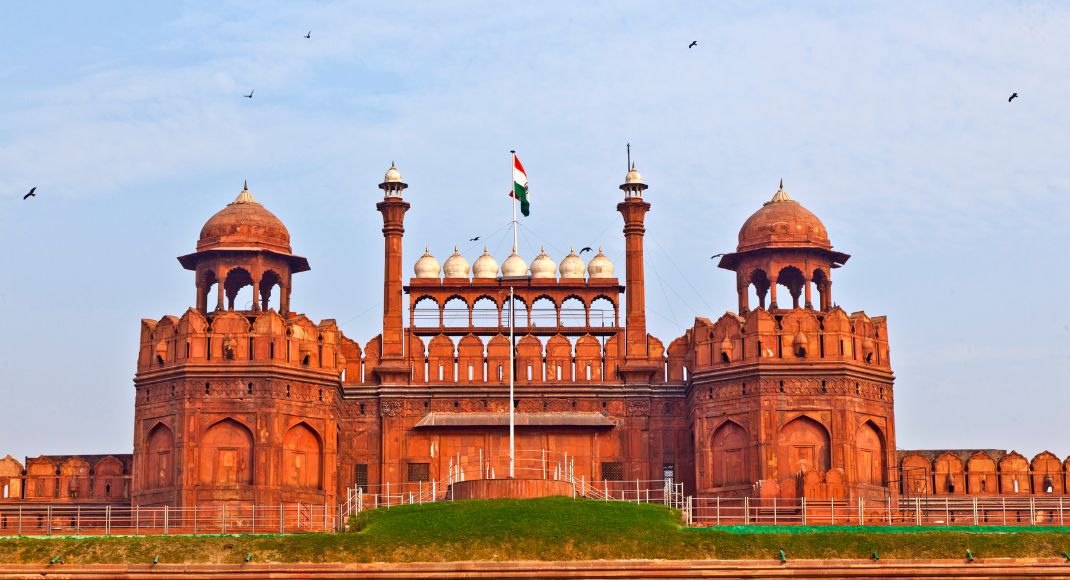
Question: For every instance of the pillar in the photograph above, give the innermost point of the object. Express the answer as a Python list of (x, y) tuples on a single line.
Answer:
[(637, 367), (392, 369), (222, 295), (772, 295), (806, 285)]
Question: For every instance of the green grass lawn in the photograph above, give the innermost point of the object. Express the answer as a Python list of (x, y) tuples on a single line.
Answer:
[(538, 529)]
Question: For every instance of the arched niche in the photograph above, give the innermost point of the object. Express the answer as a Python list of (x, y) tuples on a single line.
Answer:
[(227, 454), (803, 445), (870, 449), (729, 454), (302, 458), (159, 459)]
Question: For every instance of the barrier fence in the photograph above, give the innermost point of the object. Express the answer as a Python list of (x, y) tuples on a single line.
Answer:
[(89, 520), (903, 511)]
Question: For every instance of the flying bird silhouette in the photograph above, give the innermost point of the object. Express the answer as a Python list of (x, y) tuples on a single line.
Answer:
[(586, 249), (475, 239), (31, 193), (250, 95), (1013, 96), (716, 256), (309, 35), (693, 44)]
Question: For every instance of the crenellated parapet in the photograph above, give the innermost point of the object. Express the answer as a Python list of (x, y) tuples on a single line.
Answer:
[(790, 336), (980, 473), (240, 338)]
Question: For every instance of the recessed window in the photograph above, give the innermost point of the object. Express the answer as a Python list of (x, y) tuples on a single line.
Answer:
[(419, 472), (612, 471), (360, 475)]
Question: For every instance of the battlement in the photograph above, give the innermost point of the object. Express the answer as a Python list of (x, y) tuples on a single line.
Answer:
[(233, 338), (783, 336)]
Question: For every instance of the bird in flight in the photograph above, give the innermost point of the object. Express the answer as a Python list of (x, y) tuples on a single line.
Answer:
[(309, 35), (693, 44), (1013, 96), (716, 256), (475, 239), (586, 249), (250, 95), (30, 194)]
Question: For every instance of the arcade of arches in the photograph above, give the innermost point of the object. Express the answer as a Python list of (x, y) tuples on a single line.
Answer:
[(242, 399)]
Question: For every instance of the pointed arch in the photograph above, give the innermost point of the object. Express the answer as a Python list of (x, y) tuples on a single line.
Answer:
[(302, 458), (729, 444), (227, 454), (159, 457), (870, 446), (802, 445)]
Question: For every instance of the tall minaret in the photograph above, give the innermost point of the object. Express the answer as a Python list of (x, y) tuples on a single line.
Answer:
[(637, 367), (393, 369)]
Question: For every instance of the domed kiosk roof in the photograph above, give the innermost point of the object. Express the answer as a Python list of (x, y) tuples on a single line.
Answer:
[(783, 222), (244, 225)]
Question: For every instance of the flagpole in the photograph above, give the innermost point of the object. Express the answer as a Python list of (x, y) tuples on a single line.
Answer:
[(512, 194), (512, 339)]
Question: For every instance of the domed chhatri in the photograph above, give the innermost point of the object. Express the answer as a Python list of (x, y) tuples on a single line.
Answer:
[(600, 266), (456, 266), (572, 265), (427, 266), (783, 222), (514, 266), (543, 266), (392, 174), (485, 266), (633, 176), (244, 224)]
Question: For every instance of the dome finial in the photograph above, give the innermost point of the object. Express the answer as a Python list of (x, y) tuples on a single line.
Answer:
[(781, 184), (780, 194), (244, 196)]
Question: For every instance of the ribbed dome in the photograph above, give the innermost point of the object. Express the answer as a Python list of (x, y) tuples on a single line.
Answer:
[(783, 222), (456, 266), (427, 266), (633, 176), (600, 266), (485, 266), (514, 265), (543, 266), (244, 224), (392, 174), (572, 265)]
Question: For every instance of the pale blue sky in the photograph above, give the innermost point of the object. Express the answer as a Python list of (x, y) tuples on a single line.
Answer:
[(889, 120)]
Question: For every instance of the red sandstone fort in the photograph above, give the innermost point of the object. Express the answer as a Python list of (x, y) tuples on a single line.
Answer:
[(255, 404)]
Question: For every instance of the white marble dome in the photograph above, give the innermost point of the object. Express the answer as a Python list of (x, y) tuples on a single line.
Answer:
[(456, 266), (543, 266), (572, 265), (485, 266), (514, 265), (427, 266), (600, 266), (392, 174)]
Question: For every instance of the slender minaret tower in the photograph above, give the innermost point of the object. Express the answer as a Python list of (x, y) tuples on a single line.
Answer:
[(392, 369), (637, 367)]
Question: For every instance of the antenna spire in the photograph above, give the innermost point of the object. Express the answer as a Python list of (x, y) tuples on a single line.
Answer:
[(628, 146)]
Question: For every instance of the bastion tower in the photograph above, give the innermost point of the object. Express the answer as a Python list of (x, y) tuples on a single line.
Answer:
[(792, 396), (236, 400)]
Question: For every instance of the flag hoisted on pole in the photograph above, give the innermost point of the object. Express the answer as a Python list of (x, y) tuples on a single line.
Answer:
[(520, 186)]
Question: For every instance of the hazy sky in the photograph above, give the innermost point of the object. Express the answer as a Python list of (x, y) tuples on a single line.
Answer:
[(888, 120)]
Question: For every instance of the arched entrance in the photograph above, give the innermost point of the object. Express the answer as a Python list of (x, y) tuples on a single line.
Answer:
[(803, 445)]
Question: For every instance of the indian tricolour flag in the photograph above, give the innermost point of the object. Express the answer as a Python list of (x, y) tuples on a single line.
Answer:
[(520, 186)]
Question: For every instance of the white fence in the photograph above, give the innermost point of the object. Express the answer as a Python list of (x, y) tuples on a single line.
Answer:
[(903, 511), (90, 520)]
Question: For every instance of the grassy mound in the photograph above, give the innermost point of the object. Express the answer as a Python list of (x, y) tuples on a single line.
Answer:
[(538, 529)]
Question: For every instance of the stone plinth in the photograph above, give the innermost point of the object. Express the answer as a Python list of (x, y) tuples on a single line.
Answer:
[(510, 488)]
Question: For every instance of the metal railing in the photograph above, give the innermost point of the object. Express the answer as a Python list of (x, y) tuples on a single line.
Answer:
[(68, 520), (903, 511)]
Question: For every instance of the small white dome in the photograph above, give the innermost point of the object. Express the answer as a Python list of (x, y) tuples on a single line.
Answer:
[(485, 266), (427, 266), (600, 266), (392, 174), (456, 266), (572, 265), (514, 265), (633, 176), (543, 266)]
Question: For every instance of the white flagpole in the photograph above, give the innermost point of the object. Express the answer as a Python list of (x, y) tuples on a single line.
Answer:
[(512, 324)]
